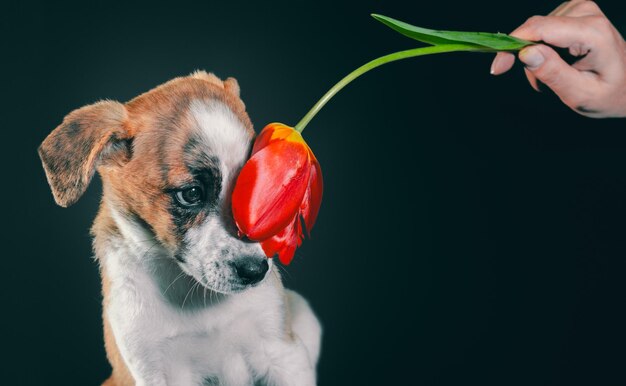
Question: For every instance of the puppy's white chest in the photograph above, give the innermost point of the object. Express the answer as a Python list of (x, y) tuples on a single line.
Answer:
[(217, 353), (225, 339)]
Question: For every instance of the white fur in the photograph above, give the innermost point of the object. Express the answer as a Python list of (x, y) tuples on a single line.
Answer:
[(238, 338), (172, 330), (223, 133), (210, 248)]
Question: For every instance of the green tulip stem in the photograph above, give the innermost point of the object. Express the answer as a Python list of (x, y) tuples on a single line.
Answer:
[(438, 49)]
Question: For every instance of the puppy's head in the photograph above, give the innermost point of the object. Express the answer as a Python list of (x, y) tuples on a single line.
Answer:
[(168, 160)]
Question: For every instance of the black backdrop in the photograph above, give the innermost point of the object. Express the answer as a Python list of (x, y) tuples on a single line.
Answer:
[(472, 230)]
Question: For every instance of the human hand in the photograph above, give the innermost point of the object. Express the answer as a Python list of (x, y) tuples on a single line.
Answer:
[(595, 85)]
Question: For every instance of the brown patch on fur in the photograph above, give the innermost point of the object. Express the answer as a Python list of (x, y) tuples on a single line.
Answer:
[(230, 84), (160, 128)]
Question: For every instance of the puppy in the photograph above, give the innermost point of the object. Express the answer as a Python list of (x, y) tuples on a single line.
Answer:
[(185, 301)]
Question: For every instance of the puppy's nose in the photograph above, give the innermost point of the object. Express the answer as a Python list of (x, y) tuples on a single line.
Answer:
[(251, 270)]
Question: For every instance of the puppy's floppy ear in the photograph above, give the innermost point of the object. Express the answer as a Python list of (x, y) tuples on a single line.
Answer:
[(71, 153)]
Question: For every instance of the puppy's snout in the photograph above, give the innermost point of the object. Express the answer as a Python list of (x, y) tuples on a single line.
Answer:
[(251, 270)]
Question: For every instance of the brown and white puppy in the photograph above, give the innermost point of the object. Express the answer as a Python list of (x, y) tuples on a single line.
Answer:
[(186, 302)]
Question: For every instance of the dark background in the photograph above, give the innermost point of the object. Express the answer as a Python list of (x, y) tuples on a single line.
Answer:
[(472, 230)]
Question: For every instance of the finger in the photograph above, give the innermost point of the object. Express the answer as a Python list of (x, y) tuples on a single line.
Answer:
[(566, 7), (532, 80), (502, 63), (557, 11), (560, 31), (580, 9), (547, 67)]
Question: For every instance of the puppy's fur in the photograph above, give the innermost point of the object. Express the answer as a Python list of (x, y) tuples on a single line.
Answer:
[(186, 302)]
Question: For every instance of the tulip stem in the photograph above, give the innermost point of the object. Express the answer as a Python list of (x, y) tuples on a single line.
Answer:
[(438, 49)]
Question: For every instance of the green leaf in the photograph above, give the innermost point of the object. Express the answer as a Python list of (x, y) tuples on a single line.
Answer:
[(484, 40)]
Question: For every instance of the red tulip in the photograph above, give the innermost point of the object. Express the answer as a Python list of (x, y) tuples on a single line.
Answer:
[(278, 188)]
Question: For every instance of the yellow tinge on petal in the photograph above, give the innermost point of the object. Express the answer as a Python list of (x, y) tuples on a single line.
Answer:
[(286, 133)]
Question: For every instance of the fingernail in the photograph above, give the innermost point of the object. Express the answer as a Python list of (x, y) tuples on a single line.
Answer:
[(532, 57)]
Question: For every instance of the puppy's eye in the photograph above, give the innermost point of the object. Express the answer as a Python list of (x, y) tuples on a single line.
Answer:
[(191, 196)]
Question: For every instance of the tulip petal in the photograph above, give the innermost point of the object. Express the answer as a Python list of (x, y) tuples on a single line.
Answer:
[(285, 243), (313, 197), (275, 132), (270, 189), (263, 139), (278, 192)]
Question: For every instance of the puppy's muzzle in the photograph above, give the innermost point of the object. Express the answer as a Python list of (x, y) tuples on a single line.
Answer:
[(250, 270)]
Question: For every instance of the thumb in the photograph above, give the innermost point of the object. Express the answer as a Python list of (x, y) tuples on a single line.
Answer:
[(549, 68)]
